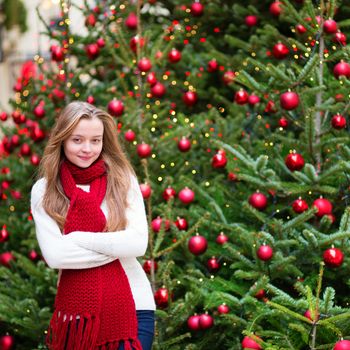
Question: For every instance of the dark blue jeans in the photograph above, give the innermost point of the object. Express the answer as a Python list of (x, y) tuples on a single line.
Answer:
[(145, 321)]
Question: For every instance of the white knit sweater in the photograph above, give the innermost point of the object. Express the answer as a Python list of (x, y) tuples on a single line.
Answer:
[(79, 250)]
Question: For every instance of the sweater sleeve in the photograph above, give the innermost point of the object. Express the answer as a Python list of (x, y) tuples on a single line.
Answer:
[(131, 242), (58, 250)]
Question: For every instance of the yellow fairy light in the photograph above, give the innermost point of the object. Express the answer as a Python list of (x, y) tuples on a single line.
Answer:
[(259, 116), (157, 103), (122, 7), (148, 106), (71, 41), (253, 54), (175, 120), (227, 205), (173, 112), (306, 54), (77, 94), (155, 116), (41, 60), (221, 109), (257, 69), (149, 95), (187, 120), (165, 77), (207, 183), (172, 37), (153, 155), (25, 93), (67, 21), (160, 179), (36, 57), (194, 172), (192, 125), (187, 163), (172, 164), (193, 32), (173, 82), (153, 129), (166, 134), (162, 166), (186, 83), (296, 57), (12, 208), (206, 134), (69, 84), (61, 72), (136, 87), (271, 144)]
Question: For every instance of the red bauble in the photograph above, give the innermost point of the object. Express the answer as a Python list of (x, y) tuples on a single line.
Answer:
[(146, 190), (25, 150), (213, 264), (206, 321), (158, 89), (190, 98), (276, 8), (264, 252), (169, 193), (223, 309), (161, 297), (342, 345), (323, 205), (228, 77), (197, 9), (39, 111), (241, 97), (197, 245), (136, 41), (186, 195), (100, 42), (90, 20), (300, 29), (193, 323), (280, 51), (181, 224), (37, 134), (58, 94), (221, 238), (294, 161), (174, 56), (333, 257), (92, 50), (213, 66), (340, 37), (184, 144), (249, 343), (338, 122), (260, 294), (33, 255), (251, 20), (307, 314), (289, 100), (341, 69), (158, 223), (147, 266), (144, 65), (283, 122), (115, 108), (90, 99), (151, 78), (330, 26), (253, 100), (258, 200), (219, 160), (144, 150), (3, 116), (299, 206), (6, 258), (129, 135), (4, 235), (131, 21), (7, 342), (57, 53)]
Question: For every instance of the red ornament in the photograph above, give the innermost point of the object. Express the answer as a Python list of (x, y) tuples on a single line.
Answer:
[(131, 21), (184, 144), (169, 193), (90, 99), (253, 99), (330, 26), (289, 100), (232, 176), (221, 238), (136, 41), (174, 56), (25, 150), (338, 122), (6, 258), (339, 38), (3, 116), (158, 89), (197, 244), (144, 65), (39, 111), (161, 297), (57, 53), (223, 309), (158, 223), (213, 264), (151, 78), (260, 294), (249, 343), (294, 161), (213, 66), (228, 77), (92, 50), (33, 255), (241, 97), (219, 160), (100, 43), (147, 266), (323, 205), (129, 135), (341, 69), (299, 206), (251, 20), (280, 51), (181, 224), (333, 257), (342, 345), (37, 134), (197, 9), (190, 98), (283, 122), (115, 108), (258, 201), (300, 29), (146, 190), (206, 321), (307, 314), (58, 94), (144, 150), (193, 323), (276, 8), (90, 20), (264, 252), (7, 342), (4, 235), (186, 195)]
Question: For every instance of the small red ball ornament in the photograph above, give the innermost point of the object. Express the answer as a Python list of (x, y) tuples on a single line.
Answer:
[(6, 258), (169, 193), (57, 53), (251, 20), (190, 98), (283, 122), (158, 223), (90, 20), (92, 50), (144, 150), (228, 77), (219, 160), (39, 111), (338, 122), (299, 206), (186, 195), (4, 235), (158, 90), (339, 38), (161, 297), (33, 256), (253, 99), (264, 252), (131, 21), (342, 345), (330, 26), (221, 238), (197, 244), (276, 8), (3, 116), (136, 41), (151, 78), (184, 144), (213, 66), (307, 314), (147, 266), (341, 69), (90, 99), (206, 321), (323, 205), (333, 257), (197, 9), (115, 108), (25, 150), (174, 56), (193, 323), (181, 224), (37, 134), (223, 309), (7, 342), (129, 135), (100, 43), (300, 29), (144, 64), (241, 97), (280, 51), (258, 200), (249, 343), (146, 190), (289, 100), (213, 264), (294, 161)]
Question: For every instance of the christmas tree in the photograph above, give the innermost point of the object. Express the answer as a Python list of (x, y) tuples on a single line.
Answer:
[(235, 117)]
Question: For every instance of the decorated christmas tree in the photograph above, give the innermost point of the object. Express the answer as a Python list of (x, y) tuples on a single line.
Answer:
[(235, 117)]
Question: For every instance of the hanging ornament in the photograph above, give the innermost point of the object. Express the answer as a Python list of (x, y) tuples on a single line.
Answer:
[(129, 136), (258, 200), (184, 144), (342, 345), (300, 205), (300, 29), (221, 238), (151, 78), (260, 294), (92, 50), (181, 224), (333, 257), (223, 309), (219, 160), (158, 223), (57, 53), (193, 323), (338, 122), (147, 266), (241, 97), (136, 41), (323, 205), (3, 116), (100, 43), (39, 111), (146, 190), (144, 150), (174, 56), (308, 315), (213, 264), (206, 321), (251, 20), (25, 150), (330, 26), (294, 161), (228, 77), (339, 38), (186, 195), (341, 69), (7, 342), (249, 343), (37, 134), (280, 51), (6, 258), (197, 244), (161, 297), (283, 122), (90, 20), (289, 100), (190, 98), (197, 9), (253, 99), (90, 99), (264, 252), (115, 108), (4, 235), (144, 64), (131, 21), (276, 8), (33, 256), (158, 89), (212, 66), (169, 193)]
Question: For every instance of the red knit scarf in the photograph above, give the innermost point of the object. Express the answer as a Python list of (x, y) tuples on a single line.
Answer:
[(94, 307)]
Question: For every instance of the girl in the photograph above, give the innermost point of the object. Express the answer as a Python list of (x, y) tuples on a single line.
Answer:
[(91, 225)]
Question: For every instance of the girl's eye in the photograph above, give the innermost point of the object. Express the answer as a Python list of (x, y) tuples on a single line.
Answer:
[(76, 140), (97, 141)]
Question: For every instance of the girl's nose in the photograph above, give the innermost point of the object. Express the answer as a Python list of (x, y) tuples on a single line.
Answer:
[(86, 147)]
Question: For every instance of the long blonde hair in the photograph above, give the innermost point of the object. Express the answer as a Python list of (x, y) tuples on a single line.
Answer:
[(119, 169)]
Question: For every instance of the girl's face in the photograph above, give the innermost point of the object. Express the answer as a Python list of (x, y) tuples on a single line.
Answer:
[(84, 145)]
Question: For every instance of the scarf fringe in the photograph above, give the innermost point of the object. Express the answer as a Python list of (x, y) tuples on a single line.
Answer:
[(134, 344), (72, 333)]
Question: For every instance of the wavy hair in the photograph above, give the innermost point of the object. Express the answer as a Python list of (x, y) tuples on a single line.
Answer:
[(119, 169)]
